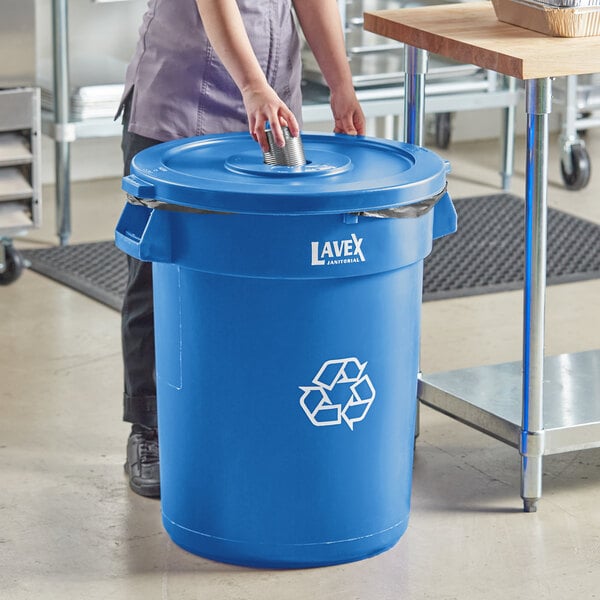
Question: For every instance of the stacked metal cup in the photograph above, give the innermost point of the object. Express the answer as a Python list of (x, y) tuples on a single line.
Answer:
[(292, 153)]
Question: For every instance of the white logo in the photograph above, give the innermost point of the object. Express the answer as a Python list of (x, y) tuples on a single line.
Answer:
[(341, 392), (337, 252)]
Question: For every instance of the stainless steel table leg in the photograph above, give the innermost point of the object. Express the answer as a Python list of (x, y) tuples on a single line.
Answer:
[(538, 102), (508, 150), (63, 129), (415, 69)]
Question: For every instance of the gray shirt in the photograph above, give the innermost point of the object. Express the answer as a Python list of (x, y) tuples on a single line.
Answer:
[(181, 88)]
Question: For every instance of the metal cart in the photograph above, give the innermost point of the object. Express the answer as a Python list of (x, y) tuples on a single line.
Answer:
[(579, 97), (20, 186)]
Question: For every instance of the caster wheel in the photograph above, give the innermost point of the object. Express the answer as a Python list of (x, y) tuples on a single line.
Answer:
[(13, 265), (578, 176), (442, 130)]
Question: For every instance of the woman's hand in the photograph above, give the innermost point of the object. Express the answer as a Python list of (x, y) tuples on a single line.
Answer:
[(264, 105), (347, 113)]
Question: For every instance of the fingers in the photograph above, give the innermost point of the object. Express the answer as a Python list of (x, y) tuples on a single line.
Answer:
[(348, 114), (345, 126), (283, 118), (292, 124), (259, 135), (275, 125), (265, 108), (360, 123), (352, 123), (275, 119)]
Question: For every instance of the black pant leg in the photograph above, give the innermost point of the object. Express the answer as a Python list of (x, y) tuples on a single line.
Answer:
[(137, 316)]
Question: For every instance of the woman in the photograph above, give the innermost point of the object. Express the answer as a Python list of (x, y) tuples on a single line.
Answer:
[(213, 66)]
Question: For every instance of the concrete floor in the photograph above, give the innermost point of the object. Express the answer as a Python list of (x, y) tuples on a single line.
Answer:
[(71, 529)]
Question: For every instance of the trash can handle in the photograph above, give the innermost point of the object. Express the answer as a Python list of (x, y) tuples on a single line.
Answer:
[(445, 219), (144, 233), (137, 187)]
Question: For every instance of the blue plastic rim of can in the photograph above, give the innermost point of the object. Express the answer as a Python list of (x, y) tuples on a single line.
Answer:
[(287, 324)]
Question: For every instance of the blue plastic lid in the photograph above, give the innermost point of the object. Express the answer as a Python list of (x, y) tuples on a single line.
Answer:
[(226, 173)]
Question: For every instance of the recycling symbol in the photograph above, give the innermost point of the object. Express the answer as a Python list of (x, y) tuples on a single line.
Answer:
[(341, 392)]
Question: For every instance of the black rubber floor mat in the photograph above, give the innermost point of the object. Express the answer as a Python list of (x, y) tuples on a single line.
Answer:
[(484, 256), (97, 269)]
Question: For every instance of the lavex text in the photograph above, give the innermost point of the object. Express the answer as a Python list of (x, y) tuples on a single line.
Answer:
[(337, 252)]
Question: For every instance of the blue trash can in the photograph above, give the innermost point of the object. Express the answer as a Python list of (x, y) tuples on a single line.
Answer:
[(287, 317)]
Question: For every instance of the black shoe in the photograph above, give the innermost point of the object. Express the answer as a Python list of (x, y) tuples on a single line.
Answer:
[(142, 464)]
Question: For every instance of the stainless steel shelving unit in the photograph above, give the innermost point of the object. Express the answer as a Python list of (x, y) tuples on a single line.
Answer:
[(488, 399), (20, 189), (20, 185)]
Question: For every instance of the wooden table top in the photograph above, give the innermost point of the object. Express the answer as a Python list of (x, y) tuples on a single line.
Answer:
[(470, 33)]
